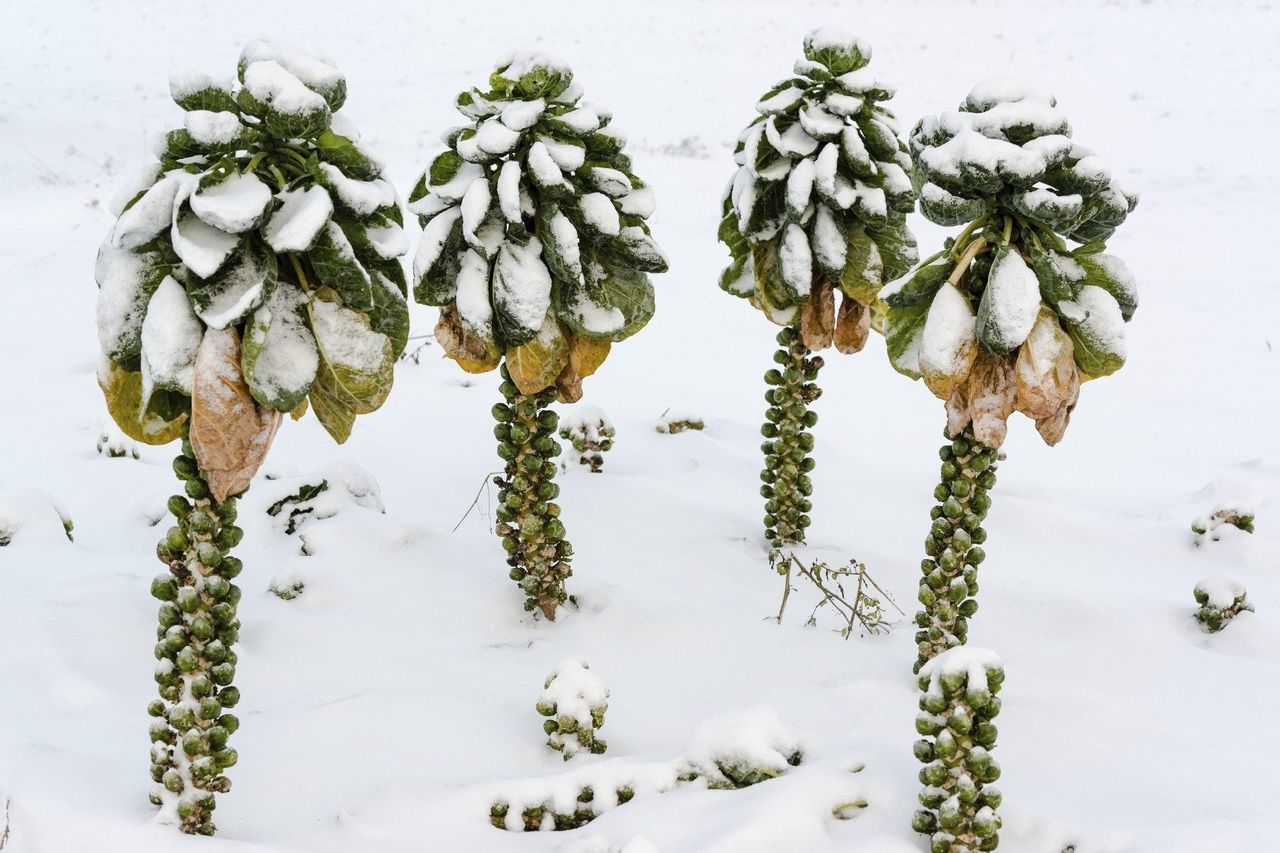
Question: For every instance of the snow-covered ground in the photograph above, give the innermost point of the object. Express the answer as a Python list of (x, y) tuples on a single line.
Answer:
[(387, 705)]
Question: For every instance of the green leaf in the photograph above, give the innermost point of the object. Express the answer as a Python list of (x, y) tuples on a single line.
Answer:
[(335, 263), (237, 288), (126, 280), (1112, 275), (631, 292), (356, 365), (1096, 327), (898, 249), (904, 327), (921, 287), (209, 96), (863, 273), (439, 258), (769, 281), (346, 155), (278, 355)]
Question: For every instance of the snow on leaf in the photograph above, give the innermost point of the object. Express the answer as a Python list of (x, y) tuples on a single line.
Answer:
[(122, 390), (949, 343), (239, 287), (1009, 304), (151, 214), (171, 335), (521, 290), (234, 204), (299, 219), (355, 369), (279, 358)]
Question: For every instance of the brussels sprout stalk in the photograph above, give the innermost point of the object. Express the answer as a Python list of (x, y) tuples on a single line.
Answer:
[(950, 569), (197, 629), (957, 704), (788, 441), (528, 517)]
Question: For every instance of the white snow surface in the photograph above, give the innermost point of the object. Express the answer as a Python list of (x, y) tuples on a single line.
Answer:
[(385, 706)]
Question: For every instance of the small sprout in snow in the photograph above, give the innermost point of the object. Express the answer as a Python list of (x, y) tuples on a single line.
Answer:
[(741, 750), (957, 704), (574, 703), (670, 424), (287, 585), (322, 495), (1206, 527), (301, 508), (591, 434), (1221, 599), (114, 444)]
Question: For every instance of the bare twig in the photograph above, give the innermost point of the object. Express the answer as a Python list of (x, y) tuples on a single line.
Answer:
[(415, 355), (484, 486), (863, 609), (4, 836)]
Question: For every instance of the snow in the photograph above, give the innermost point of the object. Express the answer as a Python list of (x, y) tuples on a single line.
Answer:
[(520, 62), (599, 213), (473, 292), (797, 259), (186, 82), (544, 167), (574, 691), (1105, 324), (509, 190), (150, 214), (288, 359), (566, 238), (297, 222), (241, 291), (800, 185), (269, 82), (475, 208), (834, 38), (233, 205), (1012, 298), (639, 202), (523, 283), (948, 343), (566, 156), (347, 341), (121, 303), (1221, 590), (171, 334), (362, 197), (432, 241), (203, 248), (522, 115), (212, 128), (386, 706), (494, 137), (456, 187), (389, 241)]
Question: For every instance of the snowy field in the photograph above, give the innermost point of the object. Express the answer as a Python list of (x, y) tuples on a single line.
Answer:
[(389, 704)]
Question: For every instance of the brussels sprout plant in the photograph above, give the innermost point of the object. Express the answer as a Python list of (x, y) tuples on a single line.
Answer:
[(535, 248), (818, 206), (1007, 317), (1221, 599), (253, 273), (957, 704)]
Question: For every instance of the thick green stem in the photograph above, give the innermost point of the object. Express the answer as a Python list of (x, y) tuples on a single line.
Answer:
[(198, 627), (950, 571), (787, 462), (528, 517)]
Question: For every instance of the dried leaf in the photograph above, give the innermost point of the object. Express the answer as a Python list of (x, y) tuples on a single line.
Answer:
[(853, 325), (1052, 428), (818, 316), (230, 432), (985, 399), (471, 353), (1045, 369), (536, 364), (585, 357)]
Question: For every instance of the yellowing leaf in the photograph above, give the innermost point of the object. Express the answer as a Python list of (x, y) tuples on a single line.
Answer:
[(122, 390), (473, 353), (230, 433), (984, 399), (536, 364), (585, 357)]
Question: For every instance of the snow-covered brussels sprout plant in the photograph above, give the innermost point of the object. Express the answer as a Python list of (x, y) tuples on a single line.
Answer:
[(818, 206), (536, 250), (1007, 317), (255, 269)]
